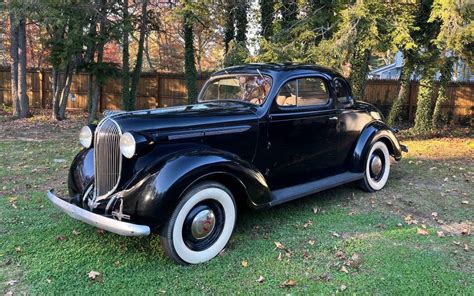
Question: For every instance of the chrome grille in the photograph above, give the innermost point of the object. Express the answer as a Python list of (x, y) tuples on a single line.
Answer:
[(107, 158)]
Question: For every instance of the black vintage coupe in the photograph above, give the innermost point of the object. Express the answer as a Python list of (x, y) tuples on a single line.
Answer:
[(260, 135)]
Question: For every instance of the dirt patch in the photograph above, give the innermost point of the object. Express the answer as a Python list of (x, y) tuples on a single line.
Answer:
[(41, 126), (462, 228)]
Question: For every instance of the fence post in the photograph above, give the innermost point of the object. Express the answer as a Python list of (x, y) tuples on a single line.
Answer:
[(157, 101), (42, 90)]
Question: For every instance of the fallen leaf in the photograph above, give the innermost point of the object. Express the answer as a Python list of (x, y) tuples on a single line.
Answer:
[(466, 248), (421, 231), (399, 224), (440, 233), (280, 256), (48, 281), (456, 243), (18, 249), (336, 234), (222, 253), (340, 254), (288, 283), (465, 202), (327, 277), (465, 231), (61, 238), (315, 210), (11, 282), (344, 269), (245, 263), (260, 279), (311, 242), (93, 275), (9, 293), (434, 214), (307, 224), (343, 287), (279, 245), (99, 231), (75, 232)]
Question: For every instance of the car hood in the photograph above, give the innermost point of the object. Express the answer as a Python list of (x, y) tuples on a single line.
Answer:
[(186, 117)]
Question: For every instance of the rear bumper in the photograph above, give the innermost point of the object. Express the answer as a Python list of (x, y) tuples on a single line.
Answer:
[(404, 148), (115, 226)]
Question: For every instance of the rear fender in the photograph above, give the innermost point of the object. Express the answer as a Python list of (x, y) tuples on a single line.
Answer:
[(373, 132)]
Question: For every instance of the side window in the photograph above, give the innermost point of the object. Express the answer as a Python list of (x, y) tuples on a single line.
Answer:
[(287, 94), (342, 93), (310, 91)]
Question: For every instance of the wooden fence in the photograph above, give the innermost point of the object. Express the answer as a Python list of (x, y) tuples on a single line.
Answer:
[(157, 90)]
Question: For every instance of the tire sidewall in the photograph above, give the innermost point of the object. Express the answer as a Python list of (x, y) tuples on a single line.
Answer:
[(372, 184), (174, 236)]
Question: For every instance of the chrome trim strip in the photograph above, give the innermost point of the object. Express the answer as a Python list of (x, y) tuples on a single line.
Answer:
[(208, 132), (115, 226)]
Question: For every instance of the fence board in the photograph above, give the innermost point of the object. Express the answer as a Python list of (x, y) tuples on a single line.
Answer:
[(157, 90)]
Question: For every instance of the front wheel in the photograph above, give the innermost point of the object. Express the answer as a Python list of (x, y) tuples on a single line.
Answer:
[(201, 224), (377, 167)]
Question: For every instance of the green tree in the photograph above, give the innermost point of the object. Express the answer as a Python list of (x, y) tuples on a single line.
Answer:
[(241, 21), (455, 40), (267, 11)]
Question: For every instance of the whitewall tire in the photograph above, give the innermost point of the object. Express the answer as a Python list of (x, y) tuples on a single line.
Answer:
[(201, 224), (376, 167)]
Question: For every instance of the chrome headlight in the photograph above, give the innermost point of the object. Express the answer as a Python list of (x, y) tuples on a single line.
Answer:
[(85, 136), (128, 145)]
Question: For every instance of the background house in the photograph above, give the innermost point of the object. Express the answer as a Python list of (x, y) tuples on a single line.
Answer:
[(461, 71)]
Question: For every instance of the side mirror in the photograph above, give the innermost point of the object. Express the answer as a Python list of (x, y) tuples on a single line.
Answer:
[(345, 101)]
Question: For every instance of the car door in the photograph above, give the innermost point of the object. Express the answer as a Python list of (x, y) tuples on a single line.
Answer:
[(302, 133)]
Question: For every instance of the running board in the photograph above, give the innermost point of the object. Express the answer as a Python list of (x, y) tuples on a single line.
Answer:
[(294, 192)]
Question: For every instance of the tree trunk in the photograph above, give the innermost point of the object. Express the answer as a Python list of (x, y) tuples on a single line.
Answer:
[(229, 29), (14, 66), (126, 104), (403, 92), (189, 61), (446, 74), (424, 105), (22, 90), (58, 86), (97, 83), (137, 70), (65, 91)]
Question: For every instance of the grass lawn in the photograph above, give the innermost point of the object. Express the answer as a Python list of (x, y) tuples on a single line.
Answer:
[(413, 237)]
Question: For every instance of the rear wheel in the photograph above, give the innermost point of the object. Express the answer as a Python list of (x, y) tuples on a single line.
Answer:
[(201, 224), (377, 167)]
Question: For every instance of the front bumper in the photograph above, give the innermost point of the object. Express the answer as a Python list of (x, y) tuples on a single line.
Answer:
[(109, 224)]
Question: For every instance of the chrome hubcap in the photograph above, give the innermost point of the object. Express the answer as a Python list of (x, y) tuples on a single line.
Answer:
[(203, 224), (376, 165)]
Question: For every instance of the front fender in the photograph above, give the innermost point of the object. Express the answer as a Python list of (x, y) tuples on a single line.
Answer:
[(155, 199), (81, 173), (374, 131)]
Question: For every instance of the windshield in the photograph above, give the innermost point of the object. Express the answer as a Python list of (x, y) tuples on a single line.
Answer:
[(245, 88)]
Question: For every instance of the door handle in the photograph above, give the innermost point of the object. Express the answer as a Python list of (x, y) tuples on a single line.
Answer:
[(333, 118)]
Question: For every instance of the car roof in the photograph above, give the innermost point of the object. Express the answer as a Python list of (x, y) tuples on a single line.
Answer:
[(277, 68)]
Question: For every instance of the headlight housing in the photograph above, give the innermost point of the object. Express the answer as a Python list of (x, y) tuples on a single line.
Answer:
[(86, 136), (128, 145)]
